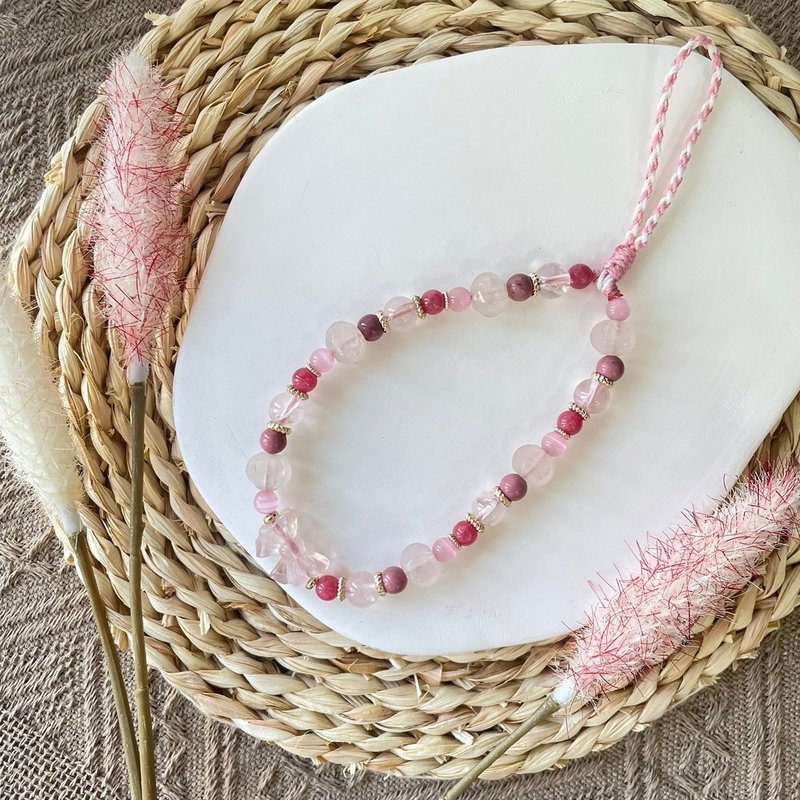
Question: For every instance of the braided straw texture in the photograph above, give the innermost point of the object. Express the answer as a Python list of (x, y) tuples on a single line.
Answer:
[(220, 631)]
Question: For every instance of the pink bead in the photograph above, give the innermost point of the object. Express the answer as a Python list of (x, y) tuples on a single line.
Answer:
[(611, 367), (322, 360), (420, 565), (394, 580), (304, 380), (592, 396), (444, 549), (554, 444), (272, 441), (465, 533), (265, 502), (570, 422), (580, 276), (618, 309), (432, 302), (514, 487), (402, 313), (555, 280), (327, 587), (460, 298), (533, 464), (360, 589)]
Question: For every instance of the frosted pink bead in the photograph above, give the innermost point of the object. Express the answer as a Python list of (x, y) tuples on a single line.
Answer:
[(460, 298), (346, 343), (488, 508), (265, 502), (533, 464), (613, 338), (420, 564), (322, 360), (489, 295), (268, 472), (592, 396), (444, 550), (555, 280), (554, 444), (360, 589), (402, 313), (618, 309), (394, 580), (286, 409)]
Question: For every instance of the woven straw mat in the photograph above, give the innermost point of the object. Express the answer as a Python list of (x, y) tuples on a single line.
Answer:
[(220, 631)]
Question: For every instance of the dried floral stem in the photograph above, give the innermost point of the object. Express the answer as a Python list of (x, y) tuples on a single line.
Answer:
[(548, 707), (146, 749), (80, 550)]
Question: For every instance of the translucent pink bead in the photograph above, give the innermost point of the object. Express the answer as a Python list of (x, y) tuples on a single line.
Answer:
[(286, 409), (592, 396), (360, 589), (554, 444), (618, 309), (555, 280), (489, 295), (265, 502), (268, 472), (533, 464), (420, 564), (444, 550), (459, 298), (346, 343), (322, 360), (402, 313), (613, 338), (488, 509)]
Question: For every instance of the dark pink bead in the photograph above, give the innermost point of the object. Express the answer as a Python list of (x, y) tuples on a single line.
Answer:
[(272, 441), (394, 580), (570, 422), (465, 533), (611, 367), (327, 587), (514, 487), (580, 276), (304, 380), (432, 302), (519, 287), (370, 327)]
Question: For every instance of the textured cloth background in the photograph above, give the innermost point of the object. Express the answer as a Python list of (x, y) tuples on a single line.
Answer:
[(58, 737)]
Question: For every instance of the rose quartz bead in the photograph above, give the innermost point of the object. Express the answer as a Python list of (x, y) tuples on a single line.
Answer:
[(394, 580), (265, 502), (465, 533), (570, 422), (346, 343), (618, 309), (514, 487), (444, 549), (554, 444), (489, 295), (592, 396), (322, 360), (611, 367), (488, 508), (614, 338), (327, 587), (304, 380), (268, 472), (580, 276), (432, 302), (420, 565), (286, 409), (360, 589), (460, 298), (402, 313), (533, 464), (272, 441), (555, 280)]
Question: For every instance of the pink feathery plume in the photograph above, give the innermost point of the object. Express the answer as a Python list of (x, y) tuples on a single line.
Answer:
[(135, 211)]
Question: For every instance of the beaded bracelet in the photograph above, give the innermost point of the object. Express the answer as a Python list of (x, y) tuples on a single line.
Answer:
[(489, 295)]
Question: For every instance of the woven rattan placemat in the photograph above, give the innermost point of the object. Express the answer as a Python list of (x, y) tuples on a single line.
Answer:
[(219, 632)]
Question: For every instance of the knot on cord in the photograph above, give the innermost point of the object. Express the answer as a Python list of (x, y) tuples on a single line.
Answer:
[(615, 268)]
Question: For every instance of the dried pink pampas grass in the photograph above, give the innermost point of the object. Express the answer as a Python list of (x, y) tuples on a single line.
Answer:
[(135, 210)]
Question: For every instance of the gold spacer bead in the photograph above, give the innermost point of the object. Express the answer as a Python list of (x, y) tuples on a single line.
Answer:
[(311, 584), (297, 393), (378, 577), (455, 541), (596, 376), (418, 305), (537, 283), (276, 426), (475, 522), (340, 588), (500, 495), (384, 320), (314, 371), (561, 432), (579, 410), (270, 518), (446, 300)]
